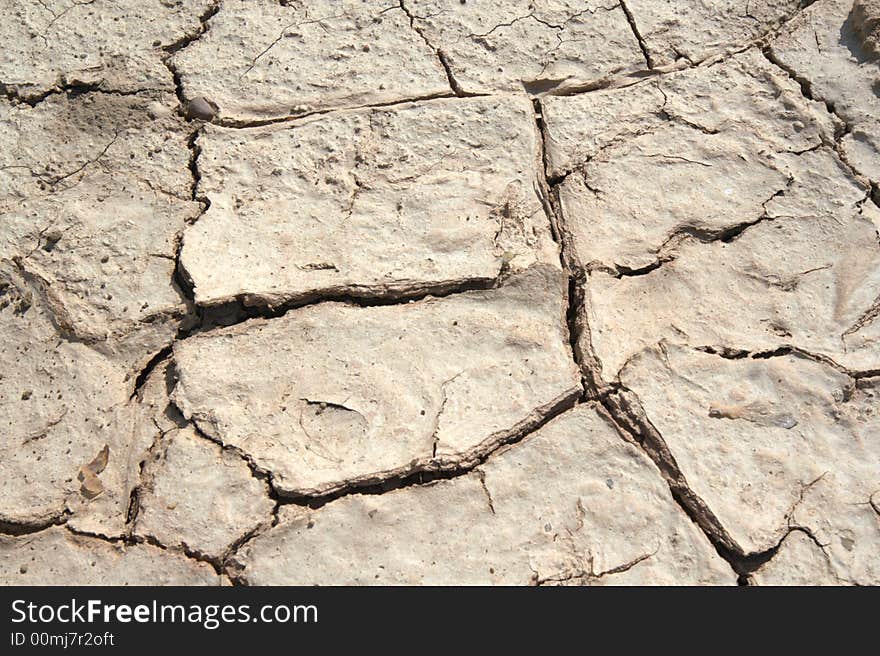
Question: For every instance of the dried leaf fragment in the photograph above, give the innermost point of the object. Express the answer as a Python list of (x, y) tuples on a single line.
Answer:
[(88, 474)]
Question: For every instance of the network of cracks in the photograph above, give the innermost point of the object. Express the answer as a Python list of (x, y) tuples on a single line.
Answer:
[(432, 292)]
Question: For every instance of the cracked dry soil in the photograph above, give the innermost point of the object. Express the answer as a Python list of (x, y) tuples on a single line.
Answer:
[(440, 291)]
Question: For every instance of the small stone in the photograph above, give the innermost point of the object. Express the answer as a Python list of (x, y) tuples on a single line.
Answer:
[(52, 237), (201, 108)]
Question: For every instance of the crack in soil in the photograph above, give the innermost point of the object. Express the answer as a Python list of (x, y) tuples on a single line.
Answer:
[(620, 406), (806, 87), (638, 35)]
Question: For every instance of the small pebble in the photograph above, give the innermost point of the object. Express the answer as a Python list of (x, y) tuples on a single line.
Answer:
[(201, 108), (52, 237)]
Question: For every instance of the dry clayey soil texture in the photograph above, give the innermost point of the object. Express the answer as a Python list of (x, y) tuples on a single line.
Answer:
[(440, 292)]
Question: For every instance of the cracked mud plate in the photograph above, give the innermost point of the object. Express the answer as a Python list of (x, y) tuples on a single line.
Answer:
[(532, 292)]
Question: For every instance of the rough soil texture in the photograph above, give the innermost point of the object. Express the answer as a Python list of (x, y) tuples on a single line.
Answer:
[(548, 292)]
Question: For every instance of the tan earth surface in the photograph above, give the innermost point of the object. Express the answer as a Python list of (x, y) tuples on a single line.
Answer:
[(440, 292)]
